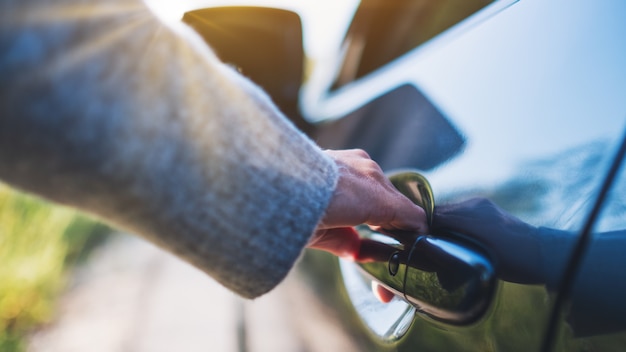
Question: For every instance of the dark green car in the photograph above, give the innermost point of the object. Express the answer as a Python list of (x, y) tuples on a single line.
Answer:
[(515, 112)]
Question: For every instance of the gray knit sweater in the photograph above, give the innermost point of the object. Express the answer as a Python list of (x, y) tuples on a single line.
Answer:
[(104, 108)]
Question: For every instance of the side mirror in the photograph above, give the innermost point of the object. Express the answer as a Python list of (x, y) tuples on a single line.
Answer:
[(264, 44)]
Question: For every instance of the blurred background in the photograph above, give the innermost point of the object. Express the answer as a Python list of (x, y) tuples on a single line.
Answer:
[(71, 283), (40, 245)]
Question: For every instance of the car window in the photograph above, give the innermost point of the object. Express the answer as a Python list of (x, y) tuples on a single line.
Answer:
[(400, 129), (382, 31)]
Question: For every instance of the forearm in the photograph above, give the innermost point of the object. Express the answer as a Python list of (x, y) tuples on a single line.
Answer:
[(115, 114)]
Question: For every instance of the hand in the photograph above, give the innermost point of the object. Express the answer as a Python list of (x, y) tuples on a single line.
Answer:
[(364, 195)]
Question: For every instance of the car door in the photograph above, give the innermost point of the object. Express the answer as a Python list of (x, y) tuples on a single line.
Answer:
[(526, 111), (517, 102)]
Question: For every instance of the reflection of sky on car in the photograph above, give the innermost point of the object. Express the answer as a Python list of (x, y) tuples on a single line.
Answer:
[(507, 79)]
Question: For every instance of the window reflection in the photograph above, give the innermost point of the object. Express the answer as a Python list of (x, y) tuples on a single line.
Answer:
[(383, 30), (400, 129), (537, 250)]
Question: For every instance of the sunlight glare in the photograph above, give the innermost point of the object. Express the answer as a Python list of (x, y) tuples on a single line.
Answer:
[(324, 21)]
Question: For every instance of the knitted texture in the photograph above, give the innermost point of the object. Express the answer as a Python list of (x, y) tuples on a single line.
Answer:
[(104, 108)]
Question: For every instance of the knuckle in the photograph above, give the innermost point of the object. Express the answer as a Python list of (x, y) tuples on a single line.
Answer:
[(362, 153)]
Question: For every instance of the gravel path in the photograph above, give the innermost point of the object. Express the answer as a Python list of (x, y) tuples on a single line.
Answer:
[(133, 297)]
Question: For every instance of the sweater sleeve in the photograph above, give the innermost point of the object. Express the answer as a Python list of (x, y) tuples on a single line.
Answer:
[(105, 109)]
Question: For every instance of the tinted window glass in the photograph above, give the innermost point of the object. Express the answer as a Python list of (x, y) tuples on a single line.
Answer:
[(383, 30), (400, 129)]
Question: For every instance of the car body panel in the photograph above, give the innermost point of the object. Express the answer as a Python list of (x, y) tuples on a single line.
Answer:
[(541, 112), (526, 108)]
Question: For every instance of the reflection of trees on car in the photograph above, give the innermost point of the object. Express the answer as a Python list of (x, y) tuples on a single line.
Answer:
[(558, 193), (552, 190)]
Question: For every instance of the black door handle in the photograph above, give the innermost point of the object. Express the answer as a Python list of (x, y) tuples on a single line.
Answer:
[(444, 278)]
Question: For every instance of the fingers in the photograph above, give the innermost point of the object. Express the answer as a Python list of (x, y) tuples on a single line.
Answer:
[(346, 243), (364, 195), (407, 216), (343, 242), (383, 295)]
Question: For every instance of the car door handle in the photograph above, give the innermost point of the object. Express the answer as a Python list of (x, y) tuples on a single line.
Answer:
[(440, 275)]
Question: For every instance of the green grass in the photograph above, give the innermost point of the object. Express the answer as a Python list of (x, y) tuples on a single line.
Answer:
[(38, 243)]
